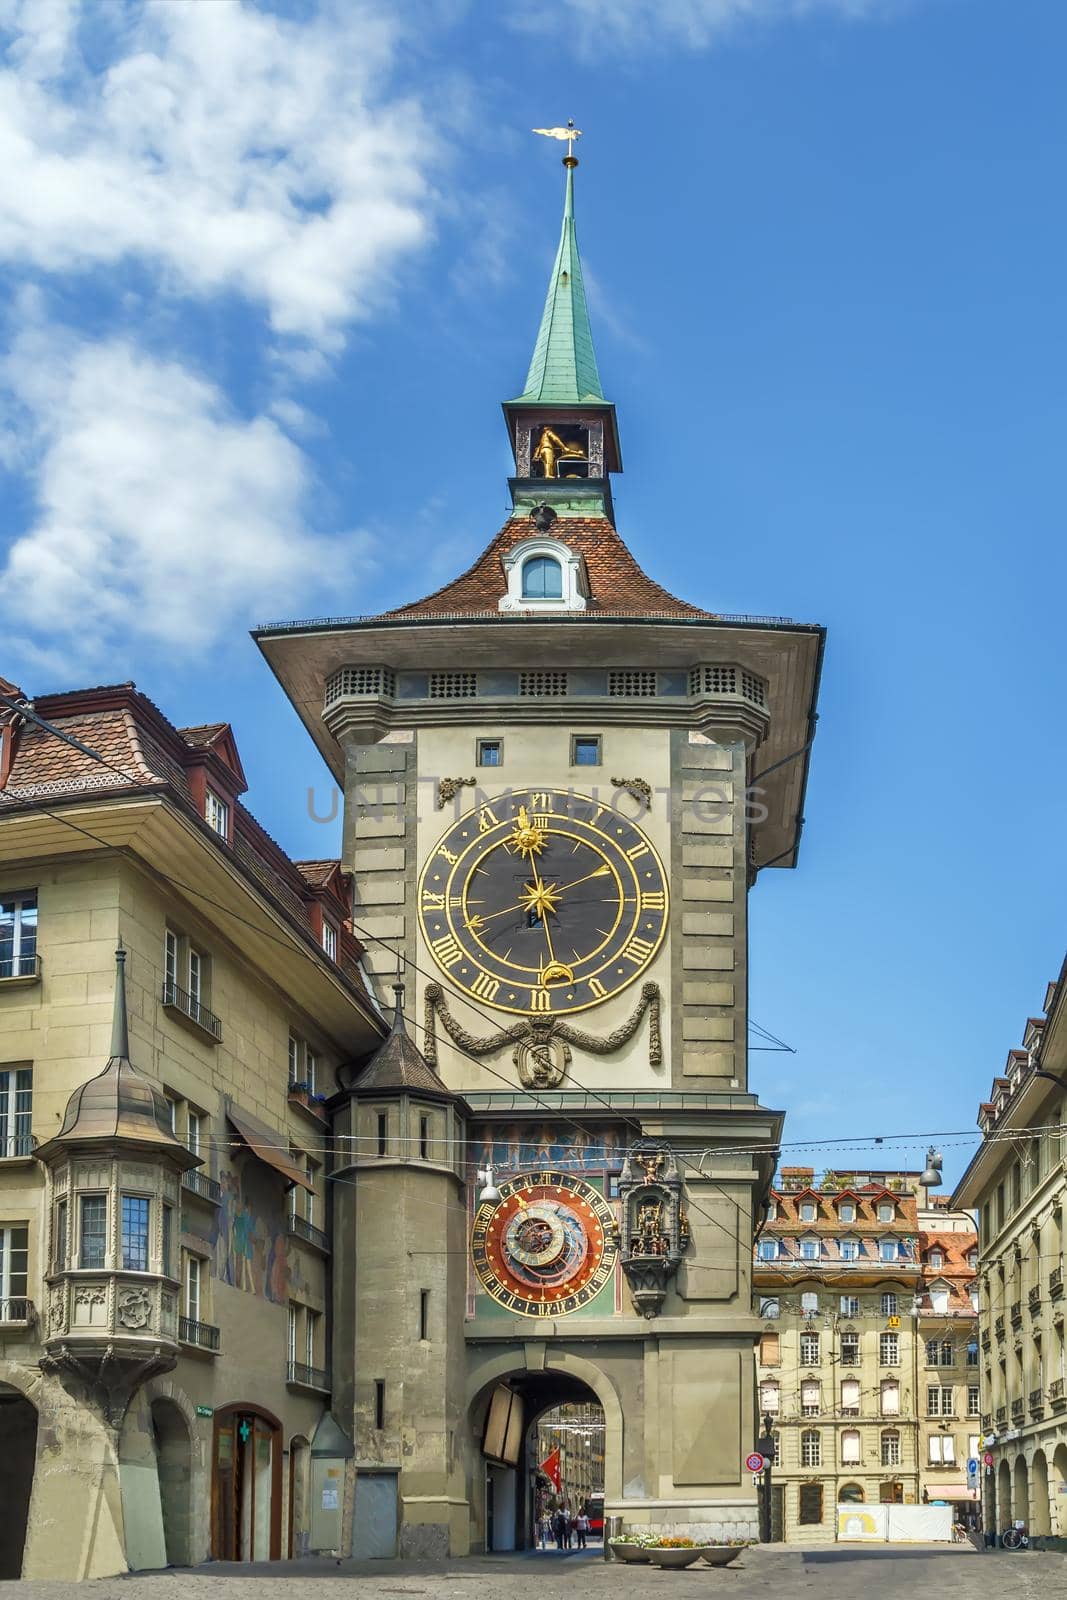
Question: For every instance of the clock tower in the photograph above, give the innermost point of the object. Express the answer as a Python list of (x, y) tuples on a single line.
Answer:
[(560, 782)]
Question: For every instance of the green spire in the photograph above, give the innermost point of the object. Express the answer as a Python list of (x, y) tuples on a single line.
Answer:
[(563, 370)]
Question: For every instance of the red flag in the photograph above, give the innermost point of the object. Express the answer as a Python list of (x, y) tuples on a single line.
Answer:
[(550, 1468)]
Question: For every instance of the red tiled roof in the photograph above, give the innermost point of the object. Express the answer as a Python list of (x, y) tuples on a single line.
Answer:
[(205, 733), (142, 751), (616, 582)]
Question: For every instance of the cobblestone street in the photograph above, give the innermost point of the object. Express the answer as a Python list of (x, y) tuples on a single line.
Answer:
[(834, 1573)]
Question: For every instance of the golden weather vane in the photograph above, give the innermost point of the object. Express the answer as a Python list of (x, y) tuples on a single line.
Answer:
[(570, 133)]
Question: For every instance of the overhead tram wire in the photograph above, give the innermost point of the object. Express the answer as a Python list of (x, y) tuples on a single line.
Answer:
[(177, 883), (875, 1140)]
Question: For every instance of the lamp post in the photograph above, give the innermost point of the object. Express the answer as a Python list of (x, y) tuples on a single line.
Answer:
[(765, 1446)]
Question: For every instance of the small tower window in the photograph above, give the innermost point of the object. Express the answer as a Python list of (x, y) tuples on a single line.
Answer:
[(542, 579)]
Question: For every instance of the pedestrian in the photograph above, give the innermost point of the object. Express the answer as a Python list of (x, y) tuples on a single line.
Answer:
[(559, 1528), (581, 1528), (567, 1526)]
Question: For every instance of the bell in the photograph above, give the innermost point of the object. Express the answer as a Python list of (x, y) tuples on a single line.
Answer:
[(489, 1191), (931, 1178)]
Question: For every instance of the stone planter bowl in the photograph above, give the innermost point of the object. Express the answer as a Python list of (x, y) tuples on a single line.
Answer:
[(720, 1555), (674, 1558), (627, 1552)]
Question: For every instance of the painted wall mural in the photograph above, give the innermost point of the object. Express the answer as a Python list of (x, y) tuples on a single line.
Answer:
[(520, 1146), (247, 1235)]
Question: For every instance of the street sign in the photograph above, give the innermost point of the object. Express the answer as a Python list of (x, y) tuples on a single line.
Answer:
[(755, 1462), (205, 1411), (988, 1459), (972, 1464)]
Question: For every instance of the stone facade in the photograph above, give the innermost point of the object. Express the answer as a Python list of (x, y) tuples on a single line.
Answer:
[(243, 1261), (843, 1283), (1017, 1185)]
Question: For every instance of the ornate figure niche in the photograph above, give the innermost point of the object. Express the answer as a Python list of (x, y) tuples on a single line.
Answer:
[(654, 1227)]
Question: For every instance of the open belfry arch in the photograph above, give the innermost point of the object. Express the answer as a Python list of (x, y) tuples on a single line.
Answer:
[(560, 783)]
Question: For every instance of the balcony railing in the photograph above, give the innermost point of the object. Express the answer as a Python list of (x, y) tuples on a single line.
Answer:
[(199, 1183), (1016, 1313), (987, 1339), (302, 1229), (1017, 1409), (1001, 1415), (1055, 1392), (998, 1327), (189, 1006), (309, 1377), (1033, 1299), (16, 1312), (14, 969), (18, 1147), (200, 1334), (1055, 1283), (1036, 1401)]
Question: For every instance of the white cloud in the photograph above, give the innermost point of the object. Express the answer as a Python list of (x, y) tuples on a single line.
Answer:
[(163, 519), (695, 24), (225, 147)]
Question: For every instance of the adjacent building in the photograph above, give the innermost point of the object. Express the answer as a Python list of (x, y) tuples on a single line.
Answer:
[(165, 1233), (863, 1358), (1016, 1183)]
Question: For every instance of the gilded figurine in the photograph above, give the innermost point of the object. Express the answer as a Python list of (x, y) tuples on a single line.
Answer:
[(551, 449)]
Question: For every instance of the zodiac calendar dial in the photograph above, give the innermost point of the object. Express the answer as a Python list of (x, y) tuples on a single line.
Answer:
[(547, 1246), (543, 901)]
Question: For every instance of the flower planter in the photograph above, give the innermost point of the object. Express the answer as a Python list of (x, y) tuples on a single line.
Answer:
[(627, 1552), (720, 1555), (683, 1557)]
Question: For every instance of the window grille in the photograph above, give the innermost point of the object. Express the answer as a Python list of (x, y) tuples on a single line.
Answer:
[(453, 685), (542, 685), (633, 684), (376, 681), (811, 1448)]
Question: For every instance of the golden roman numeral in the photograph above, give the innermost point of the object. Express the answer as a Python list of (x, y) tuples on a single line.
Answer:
[(486, 819), (448, 855), (447, 950), (598, 988), (637, 951), (653, 900), (541, 802), (636, 851), (485, 986), (432, 901), (540, 1000)]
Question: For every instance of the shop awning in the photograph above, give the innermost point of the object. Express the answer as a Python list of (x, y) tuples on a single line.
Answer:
[(950, 1491), (269, 1145)]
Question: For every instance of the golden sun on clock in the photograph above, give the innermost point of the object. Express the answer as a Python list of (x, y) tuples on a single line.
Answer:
[(543, 901)]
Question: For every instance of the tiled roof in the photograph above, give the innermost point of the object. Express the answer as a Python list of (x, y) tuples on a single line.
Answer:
[(316, 872), (206, 733), (145, 752), (398, 1063), (616, 582)]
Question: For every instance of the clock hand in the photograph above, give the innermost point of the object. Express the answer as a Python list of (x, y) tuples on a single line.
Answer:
[(539, 886)]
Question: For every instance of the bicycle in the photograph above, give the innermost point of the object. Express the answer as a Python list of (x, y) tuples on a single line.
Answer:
[(1014, 1539)]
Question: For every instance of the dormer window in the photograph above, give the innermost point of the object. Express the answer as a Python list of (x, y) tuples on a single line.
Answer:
[(936, 1260), (886, 1211), (807, 1211), (850, 1249), (542, 578), (543, 575), (887, 1250), (217, 814), (809, 1250), (329, 939), (846, 1211), (767, 1250)]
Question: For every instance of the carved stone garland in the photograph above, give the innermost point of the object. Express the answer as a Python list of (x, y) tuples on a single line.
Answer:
[(541, 1045), (654, 1229)]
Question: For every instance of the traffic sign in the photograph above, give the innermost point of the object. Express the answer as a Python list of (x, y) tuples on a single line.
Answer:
[(972, 1464), (755, 1462), (988, 1459)]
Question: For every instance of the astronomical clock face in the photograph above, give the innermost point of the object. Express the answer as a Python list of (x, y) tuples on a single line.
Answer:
[(543, 901), (546, 1247)]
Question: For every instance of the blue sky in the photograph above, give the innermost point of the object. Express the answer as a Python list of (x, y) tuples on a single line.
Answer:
[(269, 271)]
